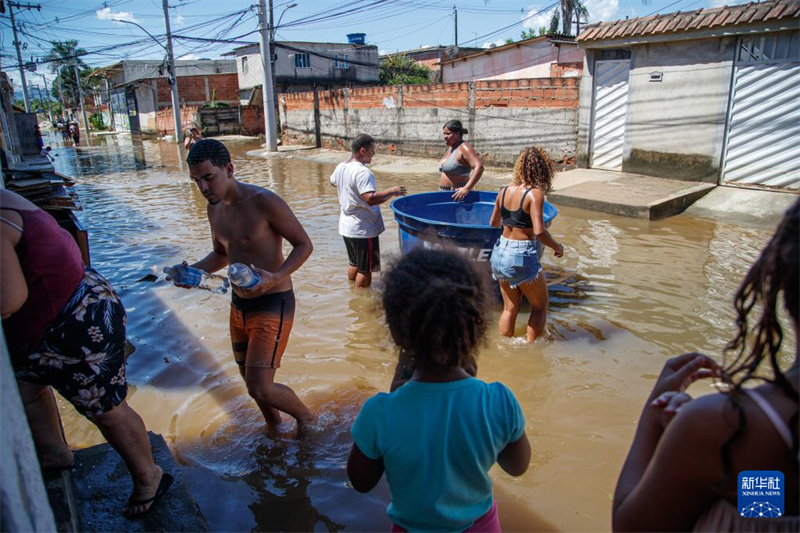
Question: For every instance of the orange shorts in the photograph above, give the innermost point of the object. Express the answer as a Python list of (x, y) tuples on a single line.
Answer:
[(260, 328)]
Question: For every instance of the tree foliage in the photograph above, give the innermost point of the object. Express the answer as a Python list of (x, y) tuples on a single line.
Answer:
[(571, 11), (63, 58), (402, 70), (41, 106)]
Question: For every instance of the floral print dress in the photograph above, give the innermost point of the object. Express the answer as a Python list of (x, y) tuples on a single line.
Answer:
[(82, 353)]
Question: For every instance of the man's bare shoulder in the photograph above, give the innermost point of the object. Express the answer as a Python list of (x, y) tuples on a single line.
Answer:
[(261, 197)]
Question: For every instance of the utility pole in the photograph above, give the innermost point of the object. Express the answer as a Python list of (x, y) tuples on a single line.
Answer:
[(49, 100), (80, 99), (271, 25), (173, 79), (268, 89), (455, 26), (36, 85), (11, 6), (110, 105)]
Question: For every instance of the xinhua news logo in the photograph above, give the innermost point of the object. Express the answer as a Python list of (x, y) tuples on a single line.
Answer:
[(761, 494)]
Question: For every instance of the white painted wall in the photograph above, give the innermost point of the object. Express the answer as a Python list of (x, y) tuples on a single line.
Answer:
[(685, 112), (146, 101), (522, 61), (675, 127), (321, 71)]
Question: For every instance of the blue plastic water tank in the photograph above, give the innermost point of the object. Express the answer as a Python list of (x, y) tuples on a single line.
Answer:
[(433, 219), (357, 38)]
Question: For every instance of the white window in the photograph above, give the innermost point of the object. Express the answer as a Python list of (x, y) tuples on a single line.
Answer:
[(769, 47), (245, 68), (302, 61)]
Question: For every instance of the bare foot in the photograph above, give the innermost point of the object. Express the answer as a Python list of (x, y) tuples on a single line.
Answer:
[(143, 491), (308, 425)]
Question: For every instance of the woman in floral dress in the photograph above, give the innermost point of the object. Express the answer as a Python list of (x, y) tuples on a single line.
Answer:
[(65, 329)]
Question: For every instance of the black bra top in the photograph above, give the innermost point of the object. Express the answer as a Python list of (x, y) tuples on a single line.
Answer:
[(518, 218)]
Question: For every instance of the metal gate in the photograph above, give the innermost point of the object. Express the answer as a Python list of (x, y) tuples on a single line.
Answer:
[(132, 110), (762, 146), (610, 107)]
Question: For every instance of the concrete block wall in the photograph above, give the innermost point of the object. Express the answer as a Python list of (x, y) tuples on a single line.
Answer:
[(502, 116), (675, 123)]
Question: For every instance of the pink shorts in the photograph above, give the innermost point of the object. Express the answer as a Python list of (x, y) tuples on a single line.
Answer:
[(488, 523)]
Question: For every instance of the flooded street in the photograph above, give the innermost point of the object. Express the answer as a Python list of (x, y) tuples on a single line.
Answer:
[(627, 295)]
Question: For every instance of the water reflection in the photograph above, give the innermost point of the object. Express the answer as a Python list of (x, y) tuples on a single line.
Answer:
[(628, 294)]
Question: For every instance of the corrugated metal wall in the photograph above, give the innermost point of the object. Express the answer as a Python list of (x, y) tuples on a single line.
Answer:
[(610, 108), (763, 136), (764, 129)]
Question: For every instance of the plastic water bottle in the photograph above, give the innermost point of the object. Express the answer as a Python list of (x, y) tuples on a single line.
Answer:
[(242, 275), (194, 277)]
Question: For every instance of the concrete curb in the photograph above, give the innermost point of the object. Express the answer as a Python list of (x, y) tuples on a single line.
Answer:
[(102, 486), (61, 494)]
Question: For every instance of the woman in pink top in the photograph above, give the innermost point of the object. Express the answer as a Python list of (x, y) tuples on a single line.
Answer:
[(682, 470), (65, 329)]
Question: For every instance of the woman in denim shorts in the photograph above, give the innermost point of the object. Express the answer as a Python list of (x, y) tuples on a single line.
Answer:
[(515, 260)]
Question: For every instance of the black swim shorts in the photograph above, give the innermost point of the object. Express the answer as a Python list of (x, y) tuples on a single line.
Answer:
[(364, 254)]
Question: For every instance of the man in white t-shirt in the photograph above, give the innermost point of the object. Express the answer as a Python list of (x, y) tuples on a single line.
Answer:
[(360, 221)]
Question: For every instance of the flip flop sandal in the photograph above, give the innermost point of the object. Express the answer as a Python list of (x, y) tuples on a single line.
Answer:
[(163, 487)]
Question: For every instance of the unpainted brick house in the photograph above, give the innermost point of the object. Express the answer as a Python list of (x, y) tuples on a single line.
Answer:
[(138, 91)]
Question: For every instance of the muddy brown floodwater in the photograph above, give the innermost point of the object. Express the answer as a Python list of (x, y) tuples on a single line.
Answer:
[(627, 295)]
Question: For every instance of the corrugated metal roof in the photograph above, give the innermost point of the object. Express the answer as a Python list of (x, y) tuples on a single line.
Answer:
[(692, 20)]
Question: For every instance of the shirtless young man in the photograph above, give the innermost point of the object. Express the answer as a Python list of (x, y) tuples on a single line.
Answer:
[(248, 225)]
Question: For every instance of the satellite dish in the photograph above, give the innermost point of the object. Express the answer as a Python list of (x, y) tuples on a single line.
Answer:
[(451, 51)]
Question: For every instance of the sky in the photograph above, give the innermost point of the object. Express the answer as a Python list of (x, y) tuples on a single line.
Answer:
[(391, 25)]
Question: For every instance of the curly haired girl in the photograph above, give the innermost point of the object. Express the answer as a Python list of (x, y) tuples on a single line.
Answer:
[(515, 258), (437, 435)]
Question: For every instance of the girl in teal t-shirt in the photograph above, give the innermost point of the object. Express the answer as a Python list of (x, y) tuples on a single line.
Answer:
[(438, 434)]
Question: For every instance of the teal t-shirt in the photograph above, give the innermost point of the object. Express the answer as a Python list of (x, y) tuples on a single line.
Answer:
[(438, 442)]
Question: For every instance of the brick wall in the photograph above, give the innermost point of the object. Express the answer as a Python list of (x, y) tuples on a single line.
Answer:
[(166, 125), (192, 89), (253, 120), (502, 116)]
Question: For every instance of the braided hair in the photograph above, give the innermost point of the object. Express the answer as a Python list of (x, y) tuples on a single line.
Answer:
[(209, 150), (434, 304), (534, 169), (776, 270)]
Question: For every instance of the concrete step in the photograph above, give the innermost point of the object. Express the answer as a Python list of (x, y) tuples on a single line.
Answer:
[(629, 195), (102, 486), (61, 494)]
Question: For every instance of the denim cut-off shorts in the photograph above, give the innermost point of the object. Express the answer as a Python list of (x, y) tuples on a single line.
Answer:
[(515, 262)]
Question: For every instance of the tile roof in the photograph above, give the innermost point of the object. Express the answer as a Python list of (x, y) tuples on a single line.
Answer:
[(692, 20)]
